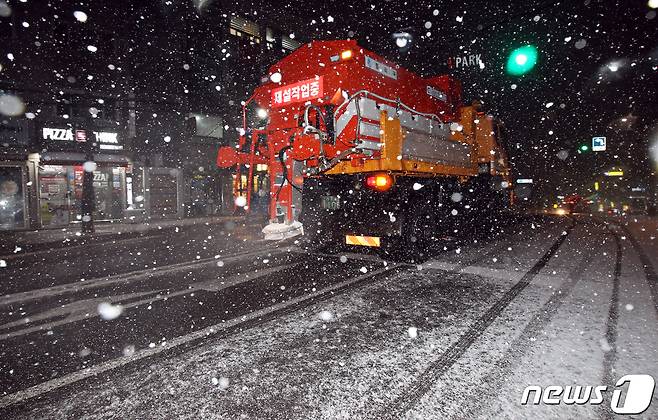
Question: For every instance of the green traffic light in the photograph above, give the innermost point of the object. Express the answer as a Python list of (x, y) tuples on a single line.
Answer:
[(522, 60), (584, 147)]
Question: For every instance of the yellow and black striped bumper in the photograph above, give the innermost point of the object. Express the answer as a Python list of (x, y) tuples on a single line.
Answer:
[(361, 240)]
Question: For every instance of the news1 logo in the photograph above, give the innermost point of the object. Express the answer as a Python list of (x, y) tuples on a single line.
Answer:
[(638, 395)]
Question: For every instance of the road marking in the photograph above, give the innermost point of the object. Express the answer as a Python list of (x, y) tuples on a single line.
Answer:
[(88, 308), (70, 247), (71, 378), (71, 312), (128, 277), (216, 285)]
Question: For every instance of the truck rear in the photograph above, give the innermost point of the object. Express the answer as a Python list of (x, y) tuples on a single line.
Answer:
[(366, 153)]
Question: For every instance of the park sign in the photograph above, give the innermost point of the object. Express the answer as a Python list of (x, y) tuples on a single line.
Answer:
[(598, 144), (462, 61)]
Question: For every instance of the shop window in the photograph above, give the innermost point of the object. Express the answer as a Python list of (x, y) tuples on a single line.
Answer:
[(12, 198), (56, 198), (60, 193)]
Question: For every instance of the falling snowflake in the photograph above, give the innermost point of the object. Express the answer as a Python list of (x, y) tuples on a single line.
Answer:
[(108, 311), (326, 316), (80, 16), (11, 105), (412, 332), (89, 166)]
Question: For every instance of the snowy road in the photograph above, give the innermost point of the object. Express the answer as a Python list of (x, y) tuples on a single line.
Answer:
[(271, 331)]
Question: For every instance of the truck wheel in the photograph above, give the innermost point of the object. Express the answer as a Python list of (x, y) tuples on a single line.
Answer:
[(422, 236), (413, 246)]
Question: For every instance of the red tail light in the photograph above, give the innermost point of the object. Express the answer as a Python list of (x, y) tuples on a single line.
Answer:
[(379, 182)]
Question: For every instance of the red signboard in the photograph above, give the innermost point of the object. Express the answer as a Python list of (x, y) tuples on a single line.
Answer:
[(303, 91), (80, 135)]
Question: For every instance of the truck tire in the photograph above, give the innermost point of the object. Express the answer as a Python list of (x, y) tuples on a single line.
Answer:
[(415, 243)]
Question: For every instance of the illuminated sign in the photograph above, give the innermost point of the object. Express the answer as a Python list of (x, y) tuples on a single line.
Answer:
[(472, 60), (614, 173), (524, 181), (598, 144), (81, 136), (106, 140), (297, 92), (57, 134)]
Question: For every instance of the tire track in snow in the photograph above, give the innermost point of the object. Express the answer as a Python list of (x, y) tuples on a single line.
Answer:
[(647, 266), (495, 376), (610, 357), (423, 383), (85, 309)]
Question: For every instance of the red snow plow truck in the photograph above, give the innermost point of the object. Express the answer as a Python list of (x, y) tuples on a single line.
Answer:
[(363, 152)]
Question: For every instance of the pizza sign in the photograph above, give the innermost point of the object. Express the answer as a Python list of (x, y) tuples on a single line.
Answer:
[(303, 91)]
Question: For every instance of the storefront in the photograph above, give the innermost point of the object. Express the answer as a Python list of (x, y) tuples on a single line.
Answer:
[(61, 171), (60, 192), (41, 175)]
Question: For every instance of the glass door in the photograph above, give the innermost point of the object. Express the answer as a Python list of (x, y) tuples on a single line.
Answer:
[(55, 195)]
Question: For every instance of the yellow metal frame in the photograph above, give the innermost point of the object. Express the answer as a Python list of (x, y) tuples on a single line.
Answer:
[(391, 159)]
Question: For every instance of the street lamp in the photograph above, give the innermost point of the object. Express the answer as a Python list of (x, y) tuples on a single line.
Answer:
[(403, 40)]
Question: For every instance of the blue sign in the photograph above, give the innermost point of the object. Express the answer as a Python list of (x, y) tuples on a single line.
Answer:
[(598, 144)]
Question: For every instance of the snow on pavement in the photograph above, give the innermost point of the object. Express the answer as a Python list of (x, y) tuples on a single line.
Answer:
[(351, 355)]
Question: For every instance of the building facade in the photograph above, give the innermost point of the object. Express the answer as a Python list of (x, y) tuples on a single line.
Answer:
[(142, 94)]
